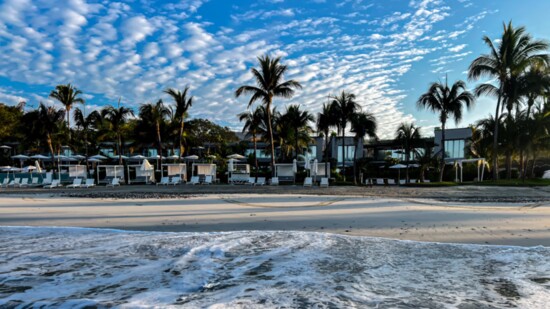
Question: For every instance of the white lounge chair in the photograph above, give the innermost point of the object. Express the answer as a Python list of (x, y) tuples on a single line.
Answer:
[(391, 181), (379, 181), (48, 179), (176, 180), (89, 183), (260, 182), (308, 182), (14, 183), (412, 180), (55, 183), (77, 183), (402, 181), (251, 181), (115, 182), (194, 180), (324, 182), (275, 181), (164, 181), (34, 182), (24, 182), (207, 180), (4, 182)]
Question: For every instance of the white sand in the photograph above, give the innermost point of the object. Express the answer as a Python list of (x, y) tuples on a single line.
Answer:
[(421, 219)]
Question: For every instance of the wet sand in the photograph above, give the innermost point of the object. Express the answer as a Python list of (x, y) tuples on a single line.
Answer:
[(436, 216)]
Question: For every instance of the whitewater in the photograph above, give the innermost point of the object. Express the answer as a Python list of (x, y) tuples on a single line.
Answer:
[(78, 267)]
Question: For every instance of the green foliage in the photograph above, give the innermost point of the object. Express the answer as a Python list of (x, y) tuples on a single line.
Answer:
[(10, 118), (202, 131)]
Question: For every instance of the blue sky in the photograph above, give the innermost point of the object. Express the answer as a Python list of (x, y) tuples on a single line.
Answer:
[(386, 52)]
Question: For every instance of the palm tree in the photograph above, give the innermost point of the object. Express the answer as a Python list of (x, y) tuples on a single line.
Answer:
[(67, 95), (326, 120), (448, 102), (269, 84), (298, 120), (362, 124), (155, 114), (86, 123), (252, 127), (344, 108), (50, 119), (117, 118), (408, 135), (183, 103), (506, 60)]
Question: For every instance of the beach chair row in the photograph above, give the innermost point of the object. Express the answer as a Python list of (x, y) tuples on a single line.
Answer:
[(389, 181), (47, 183), (308, 182)]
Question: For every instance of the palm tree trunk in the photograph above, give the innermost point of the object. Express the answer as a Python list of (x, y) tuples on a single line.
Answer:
[(343, 152), (50, 145), (407, 158), (442, 165), (326, 154), (296, 141), (181, 137), (509, 164), (355, 163), (270, 129), (119, 150), (68, 109), (495, 137), (159, 147), (255, 154)]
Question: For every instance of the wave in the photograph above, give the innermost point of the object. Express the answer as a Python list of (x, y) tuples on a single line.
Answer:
[(78, 267)]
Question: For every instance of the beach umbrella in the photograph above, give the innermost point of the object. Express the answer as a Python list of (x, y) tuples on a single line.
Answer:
[(20, 157), (294, 166), (29, 168), (98, 157), (398, 167), (236, 156), (78, 157), (174, 157), (5, 147), (191, 157), (157, 157), (314, 167), (137, 157), (39, 157), (94, 160)]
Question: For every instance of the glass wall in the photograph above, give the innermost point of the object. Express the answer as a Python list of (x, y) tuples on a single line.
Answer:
[(260, 153), (350, 152), (454, 148)]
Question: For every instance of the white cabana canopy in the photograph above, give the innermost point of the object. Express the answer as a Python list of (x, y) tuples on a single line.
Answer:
[(191, 157), (176, 169), (111, 171), (458, 164), (204, 169)]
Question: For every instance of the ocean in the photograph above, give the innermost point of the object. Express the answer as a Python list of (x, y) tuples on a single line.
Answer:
[(87, 268)]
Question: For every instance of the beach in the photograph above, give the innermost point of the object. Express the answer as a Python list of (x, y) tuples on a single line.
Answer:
[(475, 215)]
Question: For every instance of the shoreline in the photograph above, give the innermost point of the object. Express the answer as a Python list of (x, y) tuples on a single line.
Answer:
[(418, 219)]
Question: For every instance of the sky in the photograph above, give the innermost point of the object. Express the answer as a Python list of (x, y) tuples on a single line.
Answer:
[(385, 52)]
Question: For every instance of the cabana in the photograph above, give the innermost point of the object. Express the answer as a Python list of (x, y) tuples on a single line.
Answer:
[(286, 172), (458, 164), (238, 173), (77, 171), (204, 169), (176, 169), (140, 173), (111, 171)]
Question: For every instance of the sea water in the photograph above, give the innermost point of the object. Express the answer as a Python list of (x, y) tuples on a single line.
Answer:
[(77, 268)]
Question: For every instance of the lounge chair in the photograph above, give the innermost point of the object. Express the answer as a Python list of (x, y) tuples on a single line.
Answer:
[(13, 183), (164, 181), (402, 181), (412, 180), (260, 182), (24, 182), (176, 180), (379, 181), (77, 183), (115, 182), (89, 183), (4, 183), (207, 180), (426, 180), (55, 183), (48, 179), (34, 182), (194, 180), (308, 182), (275, 181), (324, 182), (391, 181), (251, 181)]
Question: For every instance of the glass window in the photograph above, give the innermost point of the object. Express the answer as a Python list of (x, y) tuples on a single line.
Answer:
[(350, 152), (454, 149)]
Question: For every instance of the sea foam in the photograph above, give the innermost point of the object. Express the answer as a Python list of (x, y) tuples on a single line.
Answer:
[(76, 267)]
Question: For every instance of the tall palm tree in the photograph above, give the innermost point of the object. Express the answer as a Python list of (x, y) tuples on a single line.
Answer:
[(67, 95), (50, 119), (183, 103), (269, 84), (86, 123), (156, 114), (299, 121), (252, 127), (362, 124), (506, 60), (448, 102), (408, 135), (117, 118), (325, 121), (344, 108)]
